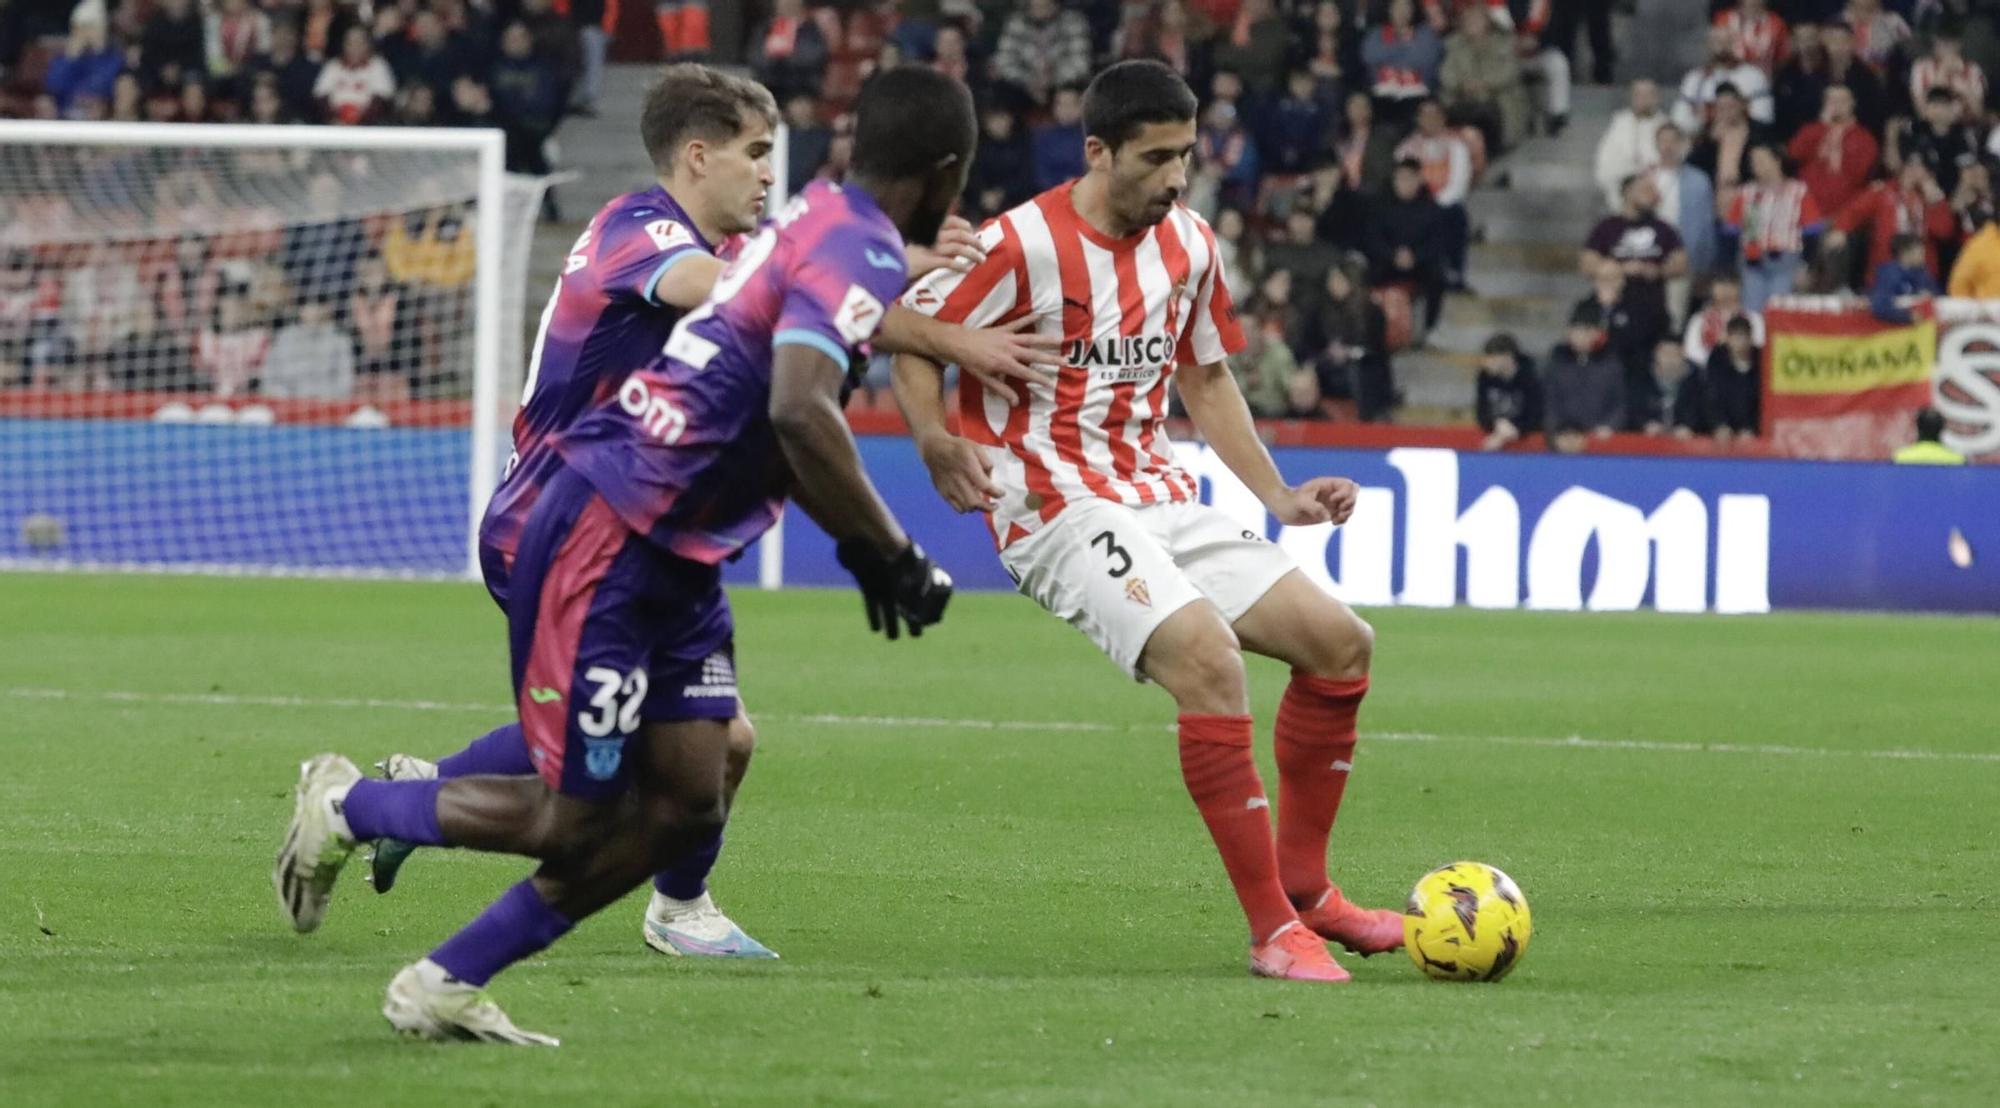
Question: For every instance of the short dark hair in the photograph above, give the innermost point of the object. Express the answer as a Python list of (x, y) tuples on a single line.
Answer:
[(1739, 325), (1501, 343), (1930, 425), (1726, 88), (1903, 242), (1128, 96), (910, 121), (690, 101), (1411, 164), (1940, 95)]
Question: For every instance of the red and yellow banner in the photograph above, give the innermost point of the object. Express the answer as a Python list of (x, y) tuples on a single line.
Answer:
[(1840, 384)]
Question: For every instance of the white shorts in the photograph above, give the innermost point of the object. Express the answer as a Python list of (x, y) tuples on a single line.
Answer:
[(1116, 573)]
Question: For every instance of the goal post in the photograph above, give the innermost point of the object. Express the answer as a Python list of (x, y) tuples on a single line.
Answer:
[(256, 349)]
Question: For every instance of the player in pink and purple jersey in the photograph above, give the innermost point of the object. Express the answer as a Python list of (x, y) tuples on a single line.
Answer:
[(643, 259), (619, 632)]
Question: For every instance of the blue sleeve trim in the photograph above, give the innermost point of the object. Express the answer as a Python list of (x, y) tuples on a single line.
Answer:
[(799, 336), (673, 260)]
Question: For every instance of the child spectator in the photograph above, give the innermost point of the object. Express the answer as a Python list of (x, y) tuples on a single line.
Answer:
[(1584, 391), (1508, 400), (1736, 383), (1677, 400), (1901, 279)]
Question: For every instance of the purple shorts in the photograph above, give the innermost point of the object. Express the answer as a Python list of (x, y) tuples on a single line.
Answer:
[(608, 631)]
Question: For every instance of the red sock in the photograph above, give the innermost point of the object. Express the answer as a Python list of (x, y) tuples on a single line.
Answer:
[(1315, 752), (1222, 778)]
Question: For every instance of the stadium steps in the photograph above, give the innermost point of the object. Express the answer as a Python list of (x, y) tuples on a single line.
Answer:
[(1525, 269)]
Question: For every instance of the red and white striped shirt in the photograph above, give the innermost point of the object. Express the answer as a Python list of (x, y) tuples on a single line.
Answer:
[(1773, 218), (1763, 42), (1128, 310), (1960, 76)]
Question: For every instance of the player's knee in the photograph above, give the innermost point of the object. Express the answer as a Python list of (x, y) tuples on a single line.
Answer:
[(1206, 674), (1344, 649)]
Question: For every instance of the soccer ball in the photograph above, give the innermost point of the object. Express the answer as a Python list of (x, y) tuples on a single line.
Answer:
[(1466, 922)]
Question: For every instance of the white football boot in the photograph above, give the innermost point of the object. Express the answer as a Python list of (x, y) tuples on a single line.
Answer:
[(425, 1002), (318, 841), (697, 928)]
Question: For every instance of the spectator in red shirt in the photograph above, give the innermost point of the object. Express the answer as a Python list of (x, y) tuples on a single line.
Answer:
[(1835, 154), (1911, 203)]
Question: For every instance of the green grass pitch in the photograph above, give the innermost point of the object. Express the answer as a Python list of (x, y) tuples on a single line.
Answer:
[(1739, 895)]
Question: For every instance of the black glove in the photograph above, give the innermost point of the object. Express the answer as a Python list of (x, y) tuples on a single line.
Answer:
[(909, 587)]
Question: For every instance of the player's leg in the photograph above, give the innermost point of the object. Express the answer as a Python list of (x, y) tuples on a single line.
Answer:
[(1101, 567), (501, 752), (681, 917), (675, 803), (1329, 648), (570, 651), (611, 614)]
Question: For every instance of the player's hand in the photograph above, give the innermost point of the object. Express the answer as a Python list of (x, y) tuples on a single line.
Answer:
[(961, 471), (996, 356), (909, 588), (1320, 500), (957, 246)]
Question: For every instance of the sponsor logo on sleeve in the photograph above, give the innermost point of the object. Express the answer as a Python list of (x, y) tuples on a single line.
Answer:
[(667, 234), (858, 316)]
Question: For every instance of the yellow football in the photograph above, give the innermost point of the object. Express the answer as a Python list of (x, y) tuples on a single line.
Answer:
[(1466, 922)]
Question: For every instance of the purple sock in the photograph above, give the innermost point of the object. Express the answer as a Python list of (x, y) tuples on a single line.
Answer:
[(501, 752), (516, 926), (406, 810), (688, 878)]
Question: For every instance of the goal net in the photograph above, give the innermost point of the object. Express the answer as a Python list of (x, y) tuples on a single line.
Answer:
[(255, 349)]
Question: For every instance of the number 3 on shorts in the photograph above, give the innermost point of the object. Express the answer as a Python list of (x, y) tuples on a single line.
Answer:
[(610, 714), (1121, 557)]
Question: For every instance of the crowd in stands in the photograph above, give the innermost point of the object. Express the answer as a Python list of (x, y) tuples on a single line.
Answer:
[(236, 272), (1822, 146), (520, 65), (1337, 142)]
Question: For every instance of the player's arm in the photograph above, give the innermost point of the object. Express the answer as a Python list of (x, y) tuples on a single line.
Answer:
[(1216, 405), (828, 481), (955, 316), (958, 467), (688, 281), (898, 582), (993, 355), (1208, 391)]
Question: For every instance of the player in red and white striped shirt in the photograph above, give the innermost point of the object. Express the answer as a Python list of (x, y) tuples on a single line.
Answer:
[(1102, 527)]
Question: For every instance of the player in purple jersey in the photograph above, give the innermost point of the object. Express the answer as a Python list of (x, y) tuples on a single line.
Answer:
[(620, 637), (643, 259)]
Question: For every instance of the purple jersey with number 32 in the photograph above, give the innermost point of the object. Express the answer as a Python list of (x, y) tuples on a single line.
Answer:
[(603, 319), (683, 449)]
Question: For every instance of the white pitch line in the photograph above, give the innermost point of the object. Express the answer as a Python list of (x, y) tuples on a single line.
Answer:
[(1572, 742)]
